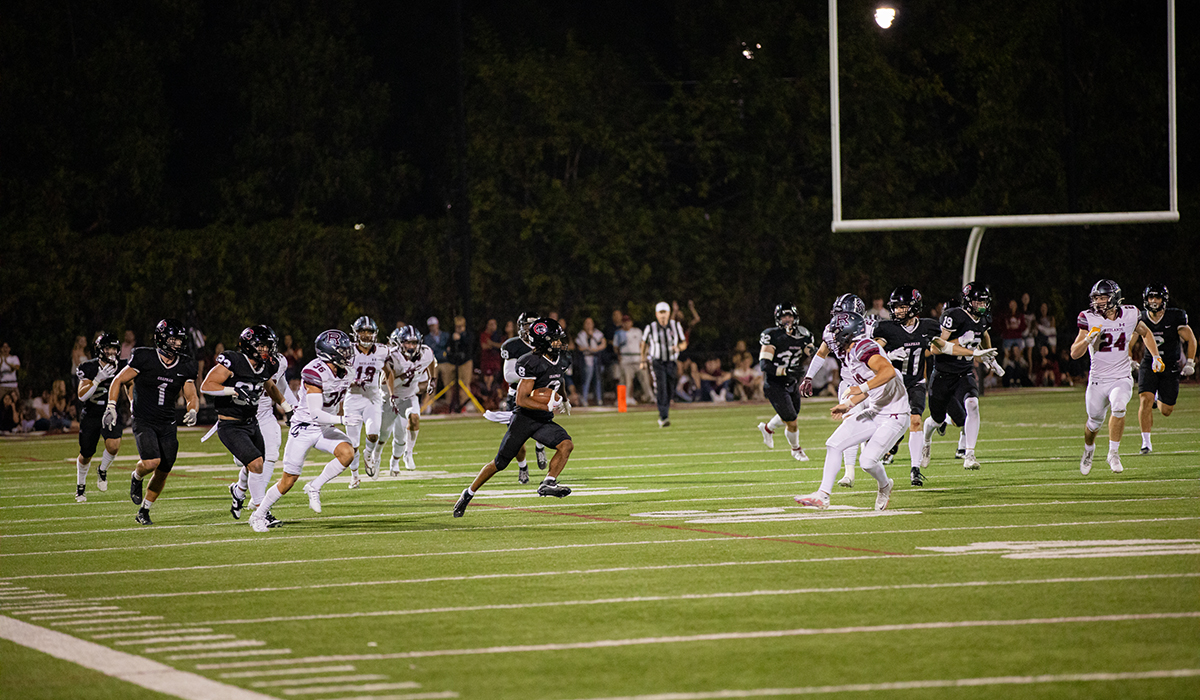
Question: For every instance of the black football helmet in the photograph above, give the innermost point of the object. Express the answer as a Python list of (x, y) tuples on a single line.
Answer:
[(543, 333), (905, 296), (410, 342), (1107, 288), (1155, 290), (336, 348), (792, 327), (846, 327), (107, 348), (848, 303), (977, 299), (524, 321), (365, 330), (170, 337), (257, 342)]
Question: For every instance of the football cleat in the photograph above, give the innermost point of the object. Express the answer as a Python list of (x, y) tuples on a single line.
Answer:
[(395, 469), (272, 521), (768, 435), (884, 495), (258, 523), (664, 422), (798, 453), (926, 454), (143, 517), (461, 506), (409, 464), (918, 479), (1145, 450), (79, 495), (354, 480), (371, 467), (540, 453), (523, 475), (817, 500), (941, 429), (236, 509), (969, 461), (1085, 463), (888, 458), (960, 453), (1114, 463), (102, 480), (847, 481), (314, 497), (553, 489), (135, 491)]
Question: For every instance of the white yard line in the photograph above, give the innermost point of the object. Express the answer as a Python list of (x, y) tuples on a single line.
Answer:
[(916, 685), (183, 638), (324, 679), (139, 618), (148, 633), (86, 617), (204, 647), (364, 688), (117, 664), (227, 654), (289, 671)]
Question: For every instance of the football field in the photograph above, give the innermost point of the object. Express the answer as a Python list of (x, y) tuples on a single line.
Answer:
[(680, 568)]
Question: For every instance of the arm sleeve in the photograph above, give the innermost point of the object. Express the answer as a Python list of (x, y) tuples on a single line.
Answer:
[(317, 408), (510, 372), (814, 366)]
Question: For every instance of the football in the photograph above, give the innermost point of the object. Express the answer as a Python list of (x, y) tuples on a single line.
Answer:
[(543, 394)]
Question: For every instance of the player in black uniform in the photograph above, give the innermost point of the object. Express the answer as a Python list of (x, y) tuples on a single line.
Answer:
[(512, 350), (545, 367), (158, 375), (236, 382), (1168, 325), (95, 376), (953, 389), (781, 359)]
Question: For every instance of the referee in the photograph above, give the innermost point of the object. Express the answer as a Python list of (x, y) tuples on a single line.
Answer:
[(662, 341)]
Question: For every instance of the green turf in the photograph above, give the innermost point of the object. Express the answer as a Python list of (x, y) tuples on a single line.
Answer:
[(677, 532)]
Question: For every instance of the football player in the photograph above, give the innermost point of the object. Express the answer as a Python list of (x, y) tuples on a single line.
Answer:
[(271, 432), (95, 378), (846, 303), (545, 367), (363, 407), (1106, 331), (953, 388), (409, 368), (158, 375), (872, 412), (237, 382), (1168, 325), (512, 350), (324, 383), (781, 359)]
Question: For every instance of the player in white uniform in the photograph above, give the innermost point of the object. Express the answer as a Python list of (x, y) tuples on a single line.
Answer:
[(272, 434), (873, 410), (363, 407), (846, 303), (409, 366), (1106, 331), (325, 381)]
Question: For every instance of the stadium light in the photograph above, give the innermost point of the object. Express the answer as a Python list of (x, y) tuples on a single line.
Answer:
[(884, 16)]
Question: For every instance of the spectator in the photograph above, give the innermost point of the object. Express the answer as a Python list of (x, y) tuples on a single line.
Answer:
[(9, 364), (510, 330), (79, 353), (569, 376), (1047, 330), (677, 315), (62, 411), (436, 339), (460, 363), (488, 390), (591, 342), (715, 382), (687, 387), (739, 349), (490, 340), (127, 345), (1076, 369), (609, 357), (1030, 327), (293, 353), (1046, 371), (878, 310), (627, 343), (747, 378), (1012, 335), (10, 413), (1016, 371)]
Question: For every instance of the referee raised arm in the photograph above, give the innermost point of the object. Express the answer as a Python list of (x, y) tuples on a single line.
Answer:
[(662, 341)]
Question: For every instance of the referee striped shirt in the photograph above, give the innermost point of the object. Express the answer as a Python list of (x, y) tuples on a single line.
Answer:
[(662, 341)]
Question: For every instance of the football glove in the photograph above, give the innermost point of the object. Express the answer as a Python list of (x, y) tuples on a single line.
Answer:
[(247, 394), (985, 353), (898, 355), (109, 420), (105, 373), (806, 386), (189, 418), (555, 402), (1189, 368), (1157, 364), (1093, 336)]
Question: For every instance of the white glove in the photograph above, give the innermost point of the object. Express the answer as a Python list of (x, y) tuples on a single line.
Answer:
[(1157, 364), (109, 420), (898, 355), (1093, 336), (1189, 368), (555, 402), (991, 364), (286, 408), (189, 418), (985, 353), (105, 373)]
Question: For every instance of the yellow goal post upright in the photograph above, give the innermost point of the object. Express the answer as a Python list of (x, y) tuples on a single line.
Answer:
[(979, 224)]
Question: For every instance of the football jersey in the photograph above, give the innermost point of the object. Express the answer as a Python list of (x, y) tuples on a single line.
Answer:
[(906, 346), (965, 331), (243, 376), (790, 351), (88, 370), (1166, 335), (544, 373), (157, 385), (279, 376), (1110, 358), (888, 398), (409, 373), (367, 371), (318, 373)]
